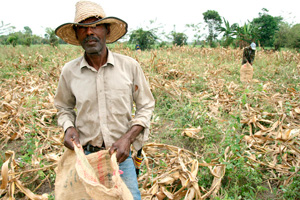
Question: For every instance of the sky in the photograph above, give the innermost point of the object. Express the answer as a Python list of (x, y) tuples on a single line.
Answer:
[(39, 14)]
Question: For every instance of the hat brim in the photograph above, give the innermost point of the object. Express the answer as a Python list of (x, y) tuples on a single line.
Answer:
[(118, 28)]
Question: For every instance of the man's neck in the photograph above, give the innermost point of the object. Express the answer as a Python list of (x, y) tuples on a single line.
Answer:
[(97, 60)]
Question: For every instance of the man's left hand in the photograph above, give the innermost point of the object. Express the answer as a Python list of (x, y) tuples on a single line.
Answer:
[(122, 146)]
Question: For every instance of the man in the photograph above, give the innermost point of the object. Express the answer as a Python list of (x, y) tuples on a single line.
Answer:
[(249, 54), (102, 86)]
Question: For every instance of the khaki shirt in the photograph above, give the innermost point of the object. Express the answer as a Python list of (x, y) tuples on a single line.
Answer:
[(99, 104)]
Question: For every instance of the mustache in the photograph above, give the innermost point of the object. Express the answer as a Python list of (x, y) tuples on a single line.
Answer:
[(90, 37)]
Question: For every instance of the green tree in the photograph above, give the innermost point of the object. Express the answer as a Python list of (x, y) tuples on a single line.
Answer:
[(282, 36), (146, 39), (51, 37), (287, 36), (13, 39), (213, 20), (228, 32), (295, 37), (27, 30), (267, 27), (245, 34), (27, 40), (4, 39), (36, 39), (179, 38)]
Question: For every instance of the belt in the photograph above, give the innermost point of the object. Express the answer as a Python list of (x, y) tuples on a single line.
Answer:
[(92, 148)]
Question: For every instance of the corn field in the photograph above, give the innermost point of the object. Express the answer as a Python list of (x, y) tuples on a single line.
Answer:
[(212, 136)]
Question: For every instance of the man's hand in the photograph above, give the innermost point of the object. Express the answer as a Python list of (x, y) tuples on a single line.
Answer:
[(70, 136), (122, 146)]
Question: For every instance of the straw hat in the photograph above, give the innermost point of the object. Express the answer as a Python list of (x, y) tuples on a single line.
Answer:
[(85, 10)]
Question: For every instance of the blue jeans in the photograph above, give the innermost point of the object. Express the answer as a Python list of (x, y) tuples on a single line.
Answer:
[(129, 176)]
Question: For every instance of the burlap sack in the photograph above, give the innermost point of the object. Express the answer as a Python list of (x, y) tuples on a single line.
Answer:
[(95, 176), (246, 73)]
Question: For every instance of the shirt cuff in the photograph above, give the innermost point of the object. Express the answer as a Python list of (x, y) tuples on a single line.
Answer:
[(143, 136), (67, 124), (138, 122)]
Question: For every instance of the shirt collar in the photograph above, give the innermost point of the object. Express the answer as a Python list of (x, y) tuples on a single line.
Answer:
[(110, 61), (110, 58)]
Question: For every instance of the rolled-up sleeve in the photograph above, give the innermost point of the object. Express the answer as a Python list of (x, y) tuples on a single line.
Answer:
[(144, 102), (64, 102)]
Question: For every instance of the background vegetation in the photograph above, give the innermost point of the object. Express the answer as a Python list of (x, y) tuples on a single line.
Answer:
[(266, 30)]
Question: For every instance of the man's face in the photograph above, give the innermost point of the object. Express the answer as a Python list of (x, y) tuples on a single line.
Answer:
[(92, 39)]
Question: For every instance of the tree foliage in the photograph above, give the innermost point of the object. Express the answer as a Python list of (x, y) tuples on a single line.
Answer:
[(27, 30), (267, 27), (13, 39), (295, 37), (287, 36), (213, 20), (179, 38), (228, 32), (282, 36), (27, 36), (52, 38), (145, 38), (245, 34), (266, 30)]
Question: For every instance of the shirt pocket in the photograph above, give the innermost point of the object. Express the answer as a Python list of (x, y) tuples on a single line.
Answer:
[(120, 101)]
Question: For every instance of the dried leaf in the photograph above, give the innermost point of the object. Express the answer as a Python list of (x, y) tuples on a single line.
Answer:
[(192, 133)]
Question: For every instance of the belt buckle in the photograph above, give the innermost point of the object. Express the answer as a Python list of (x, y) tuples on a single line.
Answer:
[(88, 148), (92, 148)]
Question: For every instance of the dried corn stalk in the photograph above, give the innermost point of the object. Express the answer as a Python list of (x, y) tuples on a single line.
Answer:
[(171, 172)]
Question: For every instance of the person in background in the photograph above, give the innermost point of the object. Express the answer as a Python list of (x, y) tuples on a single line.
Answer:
[(96, 92), (249, 54), (137, 47)]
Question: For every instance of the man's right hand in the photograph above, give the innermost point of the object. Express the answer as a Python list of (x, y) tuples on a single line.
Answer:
[(70, 136)]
